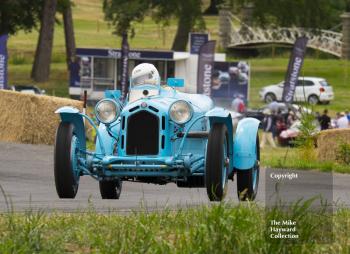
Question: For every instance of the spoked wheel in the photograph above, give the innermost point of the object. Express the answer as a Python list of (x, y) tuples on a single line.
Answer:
[(66, 161), (217, 163), (110, 189), (248, 180)]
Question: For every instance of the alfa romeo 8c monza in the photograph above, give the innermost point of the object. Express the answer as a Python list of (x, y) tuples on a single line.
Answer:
[(157, 135)]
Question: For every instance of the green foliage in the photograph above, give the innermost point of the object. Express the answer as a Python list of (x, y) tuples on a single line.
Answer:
[(306, 137), (18, 59), (122, 14), (219, 228), (302, 13), (186, 9), (294, 158), (18, 15), (344, 153), (63, 5)]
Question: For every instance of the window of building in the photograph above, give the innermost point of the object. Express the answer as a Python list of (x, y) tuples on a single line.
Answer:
[(104, 74)]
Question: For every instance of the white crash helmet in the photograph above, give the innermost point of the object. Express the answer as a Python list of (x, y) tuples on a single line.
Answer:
[(145, 74)]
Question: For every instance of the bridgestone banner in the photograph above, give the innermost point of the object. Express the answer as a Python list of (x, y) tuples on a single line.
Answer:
[(124, 71), (205, 67), (295, 63), (3, 61)]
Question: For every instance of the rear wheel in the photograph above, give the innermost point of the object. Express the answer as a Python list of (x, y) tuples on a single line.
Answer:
[(248, 180), (270, 97), (217, 163), (313, 100), (110, 189), (66, 161)]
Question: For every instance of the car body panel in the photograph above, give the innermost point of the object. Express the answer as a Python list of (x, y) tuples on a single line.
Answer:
[(245, 146), (72, 115)]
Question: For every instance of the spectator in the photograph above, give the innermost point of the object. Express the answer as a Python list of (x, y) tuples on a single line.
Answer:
[(343, 121), (280, 124), (347, 115), (291, 119), (238, 104), (325, 120), (334, 123), (267, 129), (274, 106)]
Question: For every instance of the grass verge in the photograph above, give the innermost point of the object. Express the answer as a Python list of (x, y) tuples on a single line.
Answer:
[(294, 158), (220, 228)]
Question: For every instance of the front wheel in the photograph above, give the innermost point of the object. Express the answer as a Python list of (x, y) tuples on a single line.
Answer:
[(217, 163), (248, 180), (110, 189), (66, 161)]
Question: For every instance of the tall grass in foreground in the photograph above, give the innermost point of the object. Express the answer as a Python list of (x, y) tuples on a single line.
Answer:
[(220, 228)]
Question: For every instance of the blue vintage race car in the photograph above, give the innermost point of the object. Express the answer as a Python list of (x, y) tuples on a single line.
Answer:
[(157, 135)]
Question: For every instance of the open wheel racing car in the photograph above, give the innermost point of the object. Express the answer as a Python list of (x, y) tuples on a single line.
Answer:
[(157, 135)]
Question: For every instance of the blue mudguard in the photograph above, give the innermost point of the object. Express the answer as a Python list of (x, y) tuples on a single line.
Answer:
[(220, 115), (72, 115), (245, 144)]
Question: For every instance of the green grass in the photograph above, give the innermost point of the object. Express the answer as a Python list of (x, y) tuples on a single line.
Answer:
[(264, 72), (292, 158), (220, 228), (271, 71), (92, 31)]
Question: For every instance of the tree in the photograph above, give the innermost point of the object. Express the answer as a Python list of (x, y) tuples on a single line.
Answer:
[(42, 60), (189, 15), (122, 14), (18, 15), (213, 7), (65, 7), (302, 13)]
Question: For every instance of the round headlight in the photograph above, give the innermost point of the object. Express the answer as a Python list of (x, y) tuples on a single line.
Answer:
[(107, 111), (180, 112)]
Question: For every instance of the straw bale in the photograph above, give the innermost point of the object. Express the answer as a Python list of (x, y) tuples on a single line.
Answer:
[(328, 143), (29, 118)]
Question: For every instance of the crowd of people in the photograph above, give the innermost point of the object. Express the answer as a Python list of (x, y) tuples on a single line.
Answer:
[(341, 120), (282, 127)]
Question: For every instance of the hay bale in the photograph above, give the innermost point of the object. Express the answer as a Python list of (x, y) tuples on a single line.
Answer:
[(328, 142), (28, 118)]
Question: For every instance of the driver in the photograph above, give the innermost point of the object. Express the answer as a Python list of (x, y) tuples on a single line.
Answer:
[(145, 74)]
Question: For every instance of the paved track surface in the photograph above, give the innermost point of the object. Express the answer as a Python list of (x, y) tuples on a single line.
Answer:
[(26, 176)]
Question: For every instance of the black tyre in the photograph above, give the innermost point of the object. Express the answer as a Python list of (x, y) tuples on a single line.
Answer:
[(248, 180), (65, 161), (110, 189), (270, 97), (217, 163), (313, 100)]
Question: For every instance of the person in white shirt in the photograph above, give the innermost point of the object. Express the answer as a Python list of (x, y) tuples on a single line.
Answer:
[(343, 121)]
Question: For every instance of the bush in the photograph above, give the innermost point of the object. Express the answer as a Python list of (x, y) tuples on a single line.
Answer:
[(343, 155)]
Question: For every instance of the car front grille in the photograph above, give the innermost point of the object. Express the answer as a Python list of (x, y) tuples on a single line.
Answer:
[(142, 134)]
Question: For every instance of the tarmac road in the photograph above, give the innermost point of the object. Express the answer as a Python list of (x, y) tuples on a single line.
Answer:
[(26, 176)]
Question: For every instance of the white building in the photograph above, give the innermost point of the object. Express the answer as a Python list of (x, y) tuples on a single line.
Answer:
[(97, 70)]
